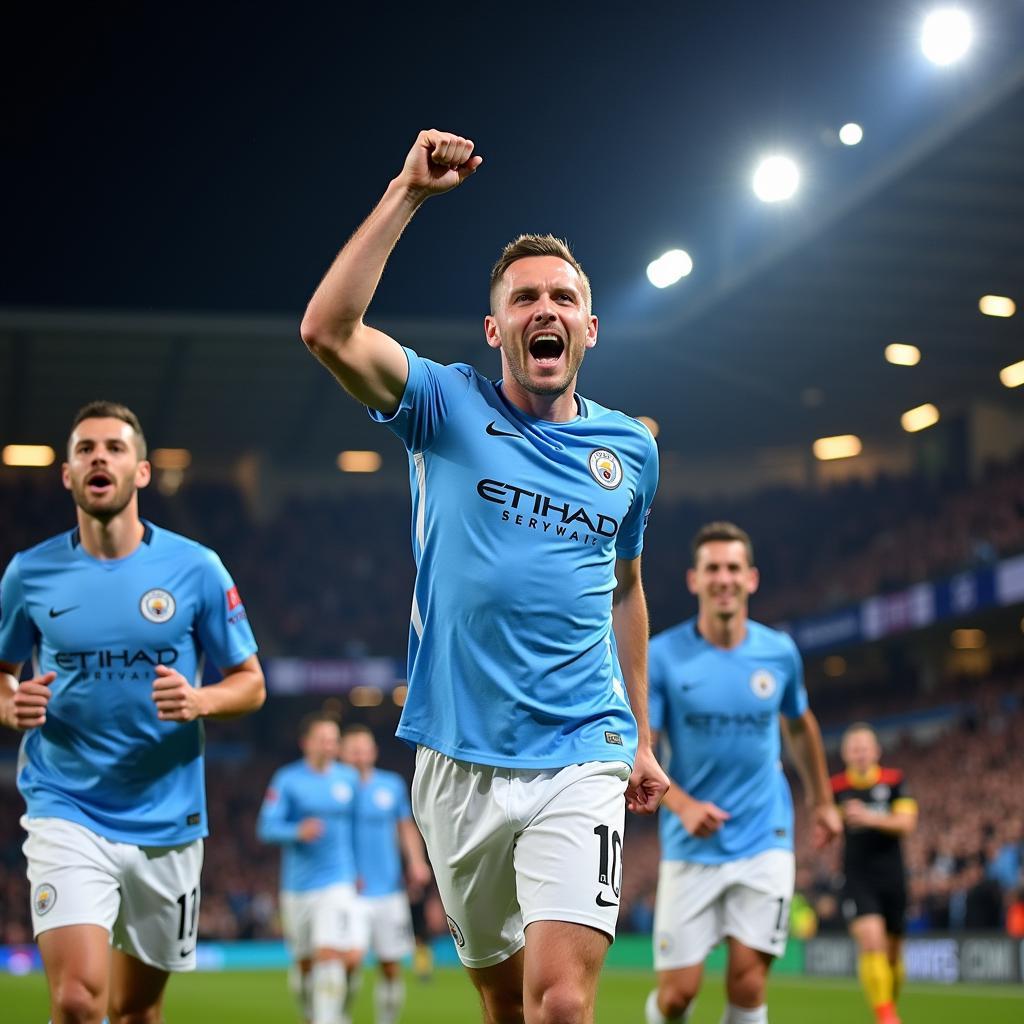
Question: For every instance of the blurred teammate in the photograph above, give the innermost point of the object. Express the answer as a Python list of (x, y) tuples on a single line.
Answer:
[(309, 810), (529, 506), (118, 615), (877, 813), (721, 686), (384, 832)]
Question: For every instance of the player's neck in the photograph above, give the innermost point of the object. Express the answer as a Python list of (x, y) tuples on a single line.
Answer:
[(114, 538), (557, 408), (317, 766), (726, 633)]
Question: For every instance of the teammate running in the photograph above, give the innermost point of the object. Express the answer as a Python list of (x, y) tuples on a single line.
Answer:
[(721, 685), (118, 615), (529, 624)]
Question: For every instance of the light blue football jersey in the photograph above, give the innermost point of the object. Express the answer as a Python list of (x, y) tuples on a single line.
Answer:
[(717, 713), (517, 523), (103, 759), (297, 792), (382, 801)]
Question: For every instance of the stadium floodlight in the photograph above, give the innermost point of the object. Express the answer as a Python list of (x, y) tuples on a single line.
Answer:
[(1012, 376), (902, 355), (359, 462), (851, 133), (919, 418), (946, 35), (968, 639), (776, 179), (28, 455), (170, 458), (669, 268), (997, 305), (650, 423), (842, 446)]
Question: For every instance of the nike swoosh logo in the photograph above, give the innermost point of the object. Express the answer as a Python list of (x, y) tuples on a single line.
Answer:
[(187, 952), (602, 902), (494, 432), (57, 613)]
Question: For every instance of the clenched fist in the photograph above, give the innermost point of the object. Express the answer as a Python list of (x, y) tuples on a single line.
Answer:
[(437, 162)]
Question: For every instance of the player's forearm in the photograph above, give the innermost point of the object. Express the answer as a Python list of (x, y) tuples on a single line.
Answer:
[(277, 830), (894, 823), (809, 756), (343, 296), (677, 800), (238, 693), (629, 620), (411, 842), (8, 687)]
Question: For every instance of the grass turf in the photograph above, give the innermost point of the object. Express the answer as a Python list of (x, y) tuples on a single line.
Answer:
[(261, 997)]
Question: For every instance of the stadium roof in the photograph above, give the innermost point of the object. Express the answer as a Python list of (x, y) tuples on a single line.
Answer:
[(128, 284)]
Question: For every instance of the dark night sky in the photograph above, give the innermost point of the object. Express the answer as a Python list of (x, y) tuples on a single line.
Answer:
[(213, 161)]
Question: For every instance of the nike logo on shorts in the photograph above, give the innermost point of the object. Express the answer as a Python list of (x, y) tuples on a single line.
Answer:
[(602, 902), (187, 952), (495, 432)]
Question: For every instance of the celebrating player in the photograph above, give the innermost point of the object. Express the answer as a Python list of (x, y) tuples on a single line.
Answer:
[(719, 684), (529, 624), (308, 809), (877, 813), (384, 832), (118, 613)]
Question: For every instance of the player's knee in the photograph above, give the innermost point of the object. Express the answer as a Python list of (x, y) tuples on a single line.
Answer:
[(746, 988), (78, 1002), (563, 1003), (676, 994), (150, 1015), (503, 1006)]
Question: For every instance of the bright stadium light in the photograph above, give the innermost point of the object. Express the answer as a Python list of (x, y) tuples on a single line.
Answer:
[(902, 355), (669, 268), (946, 35), (28, 455), (359, 462), (842, 446), (968, 639), (776, 179), (851, 133), (919, 418), (365, 696), (170, 458), (997, 305), (1012, 376)]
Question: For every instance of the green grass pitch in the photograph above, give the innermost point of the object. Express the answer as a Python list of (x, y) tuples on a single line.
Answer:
[(261, 998)]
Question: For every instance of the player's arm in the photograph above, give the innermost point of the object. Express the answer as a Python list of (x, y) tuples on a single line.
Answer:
[(416, 868), (900, 821), (803, 738), (242, 690), (23, 705), (647, 783), (370, 365)]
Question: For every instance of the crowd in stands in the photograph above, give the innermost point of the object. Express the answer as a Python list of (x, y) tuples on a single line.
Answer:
[(332, 578)]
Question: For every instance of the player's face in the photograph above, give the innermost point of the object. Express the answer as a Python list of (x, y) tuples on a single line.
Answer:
[(359, 750), (103, 470), (542, 324), (860, 750), (722, 579), (320, 744)]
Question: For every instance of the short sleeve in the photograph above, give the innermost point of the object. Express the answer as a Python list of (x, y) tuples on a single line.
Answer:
[(224, 630), (18, 633), (794, 697), (431, 392), (630, 541)]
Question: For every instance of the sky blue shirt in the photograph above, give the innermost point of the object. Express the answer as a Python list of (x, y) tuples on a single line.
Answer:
[(297, 792), (103, 759), (382, 801), (717, 712), (517, 524)]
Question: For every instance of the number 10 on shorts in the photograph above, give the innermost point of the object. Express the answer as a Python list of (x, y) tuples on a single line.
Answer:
[(609, 870)]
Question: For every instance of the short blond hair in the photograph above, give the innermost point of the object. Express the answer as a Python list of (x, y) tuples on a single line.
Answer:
[(537, 245)]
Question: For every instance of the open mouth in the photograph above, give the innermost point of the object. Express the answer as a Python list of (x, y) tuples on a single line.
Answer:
[(546, 349), (99, 483)]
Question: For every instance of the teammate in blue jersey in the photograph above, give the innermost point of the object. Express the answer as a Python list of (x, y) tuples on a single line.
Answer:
[(309, 810), (527, 649), (385, 832), (721, 686), (117, 616)]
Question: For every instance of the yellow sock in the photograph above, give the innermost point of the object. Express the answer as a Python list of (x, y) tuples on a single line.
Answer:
[(876, 978), (899, 974)]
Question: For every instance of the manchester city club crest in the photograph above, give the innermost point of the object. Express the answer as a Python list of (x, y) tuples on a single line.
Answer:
[(157, 605), (44, 898), (762, 682), (460, 939), (606, 468)]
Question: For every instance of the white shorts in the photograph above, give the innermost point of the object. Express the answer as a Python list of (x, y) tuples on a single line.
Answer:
[(698, 905), (321, 919), (514, 846), (386, 926), (147, 897)]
